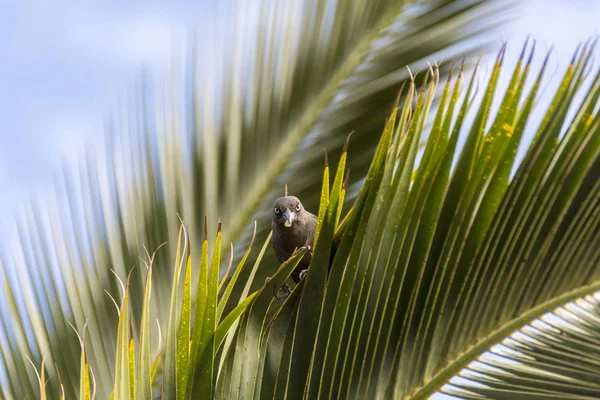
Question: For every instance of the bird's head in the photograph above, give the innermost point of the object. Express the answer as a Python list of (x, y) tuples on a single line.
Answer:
[(286, 210)]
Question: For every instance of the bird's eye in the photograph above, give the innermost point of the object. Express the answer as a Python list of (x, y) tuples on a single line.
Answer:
[(276, 210), (298, 207)]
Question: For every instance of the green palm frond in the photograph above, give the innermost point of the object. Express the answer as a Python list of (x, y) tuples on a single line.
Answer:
[(413, 297), (554, 357), (295, 78), (442, 256)]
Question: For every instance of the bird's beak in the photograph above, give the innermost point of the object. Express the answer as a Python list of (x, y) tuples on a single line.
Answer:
[(288, 217)]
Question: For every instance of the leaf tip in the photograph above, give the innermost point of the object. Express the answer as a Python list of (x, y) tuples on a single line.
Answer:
[(347, 143), (189, 247), (60, 383), (531, 53), (398, 96), (501, 54), (253, 235), (462, 63), (576, 53), (412, 78), (451, 71), (128, 281), (205, 228), (346, 179), (524, 49), (547, 57)]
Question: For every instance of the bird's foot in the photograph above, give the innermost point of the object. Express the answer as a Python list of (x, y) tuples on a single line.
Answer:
[(308, 249), (283, 293), (267, 279), (303, 273)]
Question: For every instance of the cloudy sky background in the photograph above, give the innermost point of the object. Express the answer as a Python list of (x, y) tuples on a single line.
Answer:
[(66, 67)]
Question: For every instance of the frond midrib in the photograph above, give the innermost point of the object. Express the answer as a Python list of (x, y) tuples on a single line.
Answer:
[(496, 336)]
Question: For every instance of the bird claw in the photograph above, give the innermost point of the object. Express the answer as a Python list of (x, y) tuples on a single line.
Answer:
[(267, 279), (284, 290), (303, 273), (308, 249)]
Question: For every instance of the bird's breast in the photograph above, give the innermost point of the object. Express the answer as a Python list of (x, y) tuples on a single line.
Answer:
[(294, 236)]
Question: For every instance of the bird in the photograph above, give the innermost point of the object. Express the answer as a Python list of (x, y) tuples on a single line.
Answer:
[(293, 228)]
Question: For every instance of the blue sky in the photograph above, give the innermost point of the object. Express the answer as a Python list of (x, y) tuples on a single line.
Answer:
[(67, 66), (64, 69)]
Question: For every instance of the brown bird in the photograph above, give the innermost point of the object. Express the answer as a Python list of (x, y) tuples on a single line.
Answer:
[(293, 227)]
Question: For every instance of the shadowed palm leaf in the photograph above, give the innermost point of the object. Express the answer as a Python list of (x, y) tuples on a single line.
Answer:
[(433, 265), (257, 117), (555, 357)]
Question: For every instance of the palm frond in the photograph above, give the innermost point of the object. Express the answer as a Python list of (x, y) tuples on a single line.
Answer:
[(442, 255), (265, 94), (553, 357), (436, 265)]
